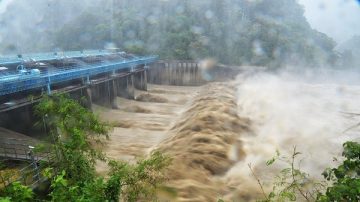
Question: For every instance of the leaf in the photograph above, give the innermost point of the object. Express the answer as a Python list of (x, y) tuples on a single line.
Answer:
[(270, 162), (272, 195), (289, 195), (5, 199)]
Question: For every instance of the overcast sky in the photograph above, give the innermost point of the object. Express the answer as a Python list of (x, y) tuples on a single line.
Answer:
[(340, 19)]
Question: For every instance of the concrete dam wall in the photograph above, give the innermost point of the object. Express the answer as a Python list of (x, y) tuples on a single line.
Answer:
[(105, 88)]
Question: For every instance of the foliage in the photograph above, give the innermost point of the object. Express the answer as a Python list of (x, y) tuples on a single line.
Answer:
[(17, 192), (75, 131), (271, 32), (258, 32), (138, 180), (345, 178), (5, 199), (126, 182), (291, 184), (62, 190)]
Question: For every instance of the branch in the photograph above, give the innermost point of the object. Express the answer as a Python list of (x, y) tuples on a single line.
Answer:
[(293, 175), (258, 180)]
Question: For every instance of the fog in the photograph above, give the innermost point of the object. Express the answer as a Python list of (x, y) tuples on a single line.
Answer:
[(337, 18), (276, 32), (309, 110), (29, 26), (299, 82)]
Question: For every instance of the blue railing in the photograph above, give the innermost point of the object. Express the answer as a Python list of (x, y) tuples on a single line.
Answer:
[(16, 83)]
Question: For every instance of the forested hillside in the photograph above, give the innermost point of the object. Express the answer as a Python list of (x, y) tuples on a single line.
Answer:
[(272, 32), (350, 50)]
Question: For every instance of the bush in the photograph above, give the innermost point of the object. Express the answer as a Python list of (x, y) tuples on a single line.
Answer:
[(17, 192), (126, 182), (73, 177), (345, 178), (292, 184)]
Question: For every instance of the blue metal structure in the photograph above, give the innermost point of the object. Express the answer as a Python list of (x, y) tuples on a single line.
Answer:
[(17, 82), (18, 59)]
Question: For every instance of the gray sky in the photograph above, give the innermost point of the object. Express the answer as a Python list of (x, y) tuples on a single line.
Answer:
[(3, 5), (340, 19)]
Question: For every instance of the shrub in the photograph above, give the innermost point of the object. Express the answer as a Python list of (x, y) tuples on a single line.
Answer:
[(345, 178)]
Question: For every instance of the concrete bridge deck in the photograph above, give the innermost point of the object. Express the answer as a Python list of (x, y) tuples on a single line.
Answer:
[(113, 74), (16, 82)]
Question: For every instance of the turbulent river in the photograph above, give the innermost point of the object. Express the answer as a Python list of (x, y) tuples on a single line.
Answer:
[(214, 131)]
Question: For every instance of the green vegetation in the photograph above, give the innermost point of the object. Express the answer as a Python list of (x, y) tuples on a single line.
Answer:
[(273, 32), (16, 192), (345, 178), (261, 32), (292, 184), (76, 133)]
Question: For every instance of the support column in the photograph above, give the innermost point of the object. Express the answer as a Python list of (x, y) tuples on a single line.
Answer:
[(141, 81), (145, 78), (88, 96), (122, 87), (113, 94), (137, 80), (104, 94), (130, 88), (196, 72), (169, 73), (88, 93)]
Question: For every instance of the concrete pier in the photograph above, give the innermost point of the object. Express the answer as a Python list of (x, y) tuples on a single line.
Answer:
[(145, 78), (130, 86), (113, 94), (88, 96), (104, 93), (141, 80), (104, 89), (182, 73)]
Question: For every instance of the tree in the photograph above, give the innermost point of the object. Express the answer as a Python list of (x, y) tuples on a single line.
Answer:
[(73, 178), (75, 130)]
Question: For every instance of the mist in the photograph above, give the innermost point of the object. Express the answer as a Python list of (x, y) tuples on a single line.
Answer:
[(337, 18), (264, 33), (287, 110), (298, 84), (30, 26)]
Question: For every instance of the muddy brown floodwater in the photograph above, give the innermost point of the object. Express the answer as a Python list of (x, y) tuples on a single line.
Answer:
[(141, 124), (214, 131), (198, 127)]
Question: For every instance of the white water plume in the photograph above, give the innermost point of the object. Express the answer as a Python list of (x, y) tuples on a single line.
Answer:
[(286, 111)]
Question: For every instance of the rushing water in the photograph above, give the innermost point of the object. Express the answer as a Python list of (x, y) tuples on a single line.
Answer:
[(213, 132), (314, 112)]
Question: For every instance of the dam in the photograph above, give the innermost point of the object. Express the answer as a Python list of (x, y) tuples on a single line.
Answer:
[(99, 76)]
